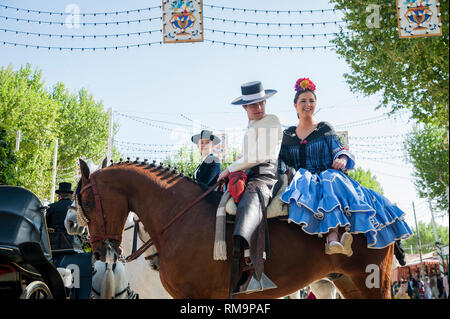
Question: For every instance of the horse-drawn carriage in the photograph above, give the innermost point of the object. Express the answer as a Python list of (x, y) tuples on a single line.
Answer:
[(29, 269)]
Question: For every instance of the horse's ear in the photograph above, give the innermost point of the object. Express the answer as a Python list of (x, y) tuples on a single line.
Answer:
[(84, 168), (105, 162)]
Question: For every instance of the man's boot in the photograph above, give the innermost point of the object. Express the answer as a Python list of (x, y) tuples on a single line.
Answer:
[(249, 282)]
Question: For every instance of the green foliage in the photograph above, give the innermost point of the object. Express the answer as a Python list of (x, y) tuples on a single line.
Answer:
[(82, 125), (188, 158), (427, 238), (427, 148), (43, 115), (366, 179), (26, 106), (410, 73), (8, 159)]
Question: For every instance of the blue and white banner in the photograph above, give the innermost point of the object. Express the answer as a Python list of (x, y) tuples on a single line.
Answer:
[(182, 21)]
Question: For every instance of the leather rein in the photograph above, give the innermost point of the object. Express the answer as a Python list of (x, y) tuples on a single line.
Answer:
[(100, 218)]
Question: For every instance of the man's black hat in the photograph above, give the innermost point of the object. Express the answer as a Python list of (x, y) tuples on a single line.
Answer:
[(205, 135), (64, 188)]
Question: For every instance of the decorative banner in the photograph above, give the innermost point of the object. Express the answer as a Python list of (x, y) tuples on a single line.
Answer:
[(343, 137), (182, 21), (418, 18)]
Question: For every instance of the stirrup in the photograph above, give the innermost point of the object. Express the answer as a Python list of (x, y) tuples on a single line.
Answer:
[(252, 284)]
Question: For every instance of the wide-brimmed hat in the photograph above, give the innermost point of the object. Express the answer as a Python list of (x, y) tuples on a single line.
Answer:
[(253, 92), (205, 135), (64, 188)]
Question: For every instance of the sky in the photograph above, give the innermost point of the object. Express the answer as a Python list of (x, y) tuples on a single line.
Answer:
[(163, 93)]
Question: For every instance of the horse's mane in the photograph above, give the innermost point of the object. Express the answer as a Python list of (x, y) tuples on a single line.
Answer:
[(167, 173)]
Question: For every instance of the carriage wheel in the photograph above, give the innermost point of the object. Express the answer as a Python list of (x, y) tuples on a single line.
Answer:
[(36, 290)]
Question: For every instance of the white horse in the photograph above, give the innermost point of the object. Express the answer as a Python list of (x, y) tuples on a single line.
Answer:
[(113, 279), (322, 289)]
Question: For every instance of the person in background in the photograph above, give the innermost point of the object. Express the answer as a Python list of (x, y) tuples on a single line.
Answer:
[(209, 168), (55, 216)]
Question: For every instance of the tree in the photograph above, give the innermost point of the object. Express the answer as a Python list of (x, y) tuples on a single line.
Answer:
[(43, 115), (26, 106), (427, 238), (82, 128), (8, 159), (427, 148), (410, 73), (366, 179), (187, 160)]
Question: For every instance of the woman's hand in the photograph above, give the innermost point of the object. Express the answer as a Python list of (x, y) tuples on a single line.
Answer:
[(223, 176), (340, 163)]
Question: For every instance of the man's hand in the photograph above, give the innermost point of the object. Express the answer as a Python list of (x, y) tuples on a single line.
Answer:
[(223, 176), (340, 163)]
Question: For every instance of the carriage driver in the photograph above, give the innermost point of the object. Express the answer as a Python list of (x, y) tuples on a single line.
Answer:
[(258, 165), (56, 213)]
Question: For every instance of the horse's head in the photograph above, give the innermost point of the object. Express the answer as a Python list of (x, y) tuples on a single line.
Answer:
[(71, 220), (103, 209)]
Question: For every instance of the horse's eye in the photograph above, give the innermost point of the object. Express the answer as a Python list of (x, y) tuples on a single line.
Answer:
[(88, 205)]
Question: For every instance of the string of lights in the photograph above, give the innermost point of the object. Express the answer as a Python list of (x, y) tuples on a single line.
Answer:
[(269, 47), (144, 144), (84, 36), (80, 23), (279, 24), (372, 120), (378, 137), (149, 44), (130, 148), (267, 11), (233, 9), (104, 48), (83, 13), (151, 120), (269, 35), (153, 125)]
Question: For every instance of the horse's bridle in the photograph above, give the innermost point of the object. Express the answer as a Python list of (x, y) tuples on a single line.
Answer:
[(102, 236)]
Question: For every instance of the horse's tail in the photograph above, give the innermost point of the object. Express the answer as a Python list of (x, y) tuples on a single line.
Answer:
[(108, 290), (399, 253)]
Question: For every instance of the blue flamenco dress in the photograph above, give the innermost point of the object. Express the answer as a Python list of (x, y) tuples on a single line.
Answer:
[(322, 198)]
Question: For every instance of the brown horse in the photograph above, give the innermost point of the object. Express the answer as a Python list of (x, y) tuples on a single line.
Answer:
[(187, 269)]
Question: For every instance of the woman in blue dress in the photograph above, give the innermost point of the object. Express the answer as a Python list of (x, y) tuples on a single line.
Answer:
[(322, 198)]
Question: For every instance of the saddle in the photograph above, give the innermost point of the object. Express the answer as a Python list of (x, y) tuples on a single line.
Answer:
[(276, 207)]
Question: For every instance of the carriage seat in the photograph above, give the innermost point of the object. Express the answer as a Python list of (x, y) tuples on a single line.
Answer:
[(276, 208)]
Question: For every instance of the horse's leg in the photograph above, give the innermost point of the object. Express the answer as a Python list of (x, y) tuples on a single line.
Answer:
[(347, 288)]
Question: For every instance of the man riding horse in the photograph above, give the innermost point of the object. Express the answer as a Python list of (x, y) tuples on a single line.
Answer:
[(258, 166)]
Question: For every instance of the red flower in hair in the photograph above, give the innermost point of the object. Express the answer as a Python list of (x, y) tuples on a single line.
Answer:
[(303, 84)]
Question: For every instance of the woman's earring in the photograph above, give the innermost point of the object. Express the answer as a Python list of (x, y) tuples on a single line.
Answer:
[(298, 116)]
